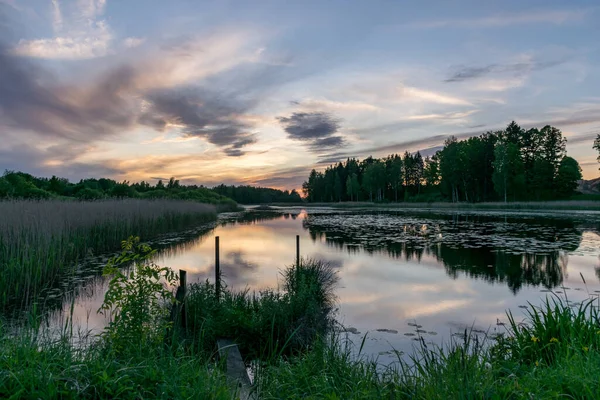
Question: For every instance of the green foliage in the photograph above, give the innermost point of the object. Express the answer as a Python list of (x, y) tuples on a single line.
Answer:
[(34, 368), (508, 177), (552, 332), (89, 194), (18, 185), (569, 173), (269, 323), (554, 355), (509, 165), (137, 298), (257, 195)]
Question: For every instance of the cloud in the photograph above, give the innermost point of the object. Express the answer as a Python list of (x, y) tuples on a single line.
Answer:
[(55, 160), (132, 42), (138, 93), (556, 17), (316, 129), (430, 96), (83, 35), (349, 106), (57, 19), (517, 69), (587, 137), (31, 101), (204, 115)]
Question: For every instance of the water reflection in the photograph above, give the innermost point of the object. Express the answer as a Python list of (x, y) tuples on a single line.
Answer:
[(509, 251), (445, 271)]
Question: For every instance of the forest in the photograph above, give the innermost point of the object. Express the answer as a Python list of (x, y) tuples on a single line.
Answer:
[(20, 185), (258, 195), (513, 164)]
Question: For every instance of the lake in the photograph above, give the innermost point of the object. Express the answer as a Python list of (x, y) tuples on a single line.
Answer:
[(403, 273)]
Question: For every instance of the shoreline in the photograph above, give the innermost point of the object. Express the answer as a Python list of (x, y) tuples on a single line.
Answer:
[(565, 205)]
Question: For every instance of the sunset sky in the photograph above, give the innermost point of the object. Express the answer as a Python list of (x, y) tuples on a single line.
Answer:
[(261, 92)]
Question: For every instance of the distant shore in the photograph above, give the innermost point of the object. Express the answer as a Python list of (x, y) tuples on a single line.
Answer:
[(590, 205)]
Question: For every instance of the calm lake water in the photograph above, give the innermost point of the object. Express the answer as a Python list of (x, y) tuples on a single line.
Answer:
[(399, 271)]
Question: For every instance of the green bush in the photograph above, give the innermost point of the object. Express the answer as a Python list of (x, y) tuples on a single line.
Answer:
[(268, 323), (137, 298)]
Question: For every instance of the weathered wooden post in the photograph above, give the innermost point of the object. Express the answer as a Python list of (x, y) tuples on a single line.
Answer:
[(298, 250), (178, 316), (182, 291), (217, 270)]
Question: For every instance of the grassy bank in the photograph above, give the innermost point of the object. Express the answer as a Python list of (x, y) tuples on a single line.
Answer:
[(554, 353), (40, 240), (34, 368), (592, 205), (269, 323)]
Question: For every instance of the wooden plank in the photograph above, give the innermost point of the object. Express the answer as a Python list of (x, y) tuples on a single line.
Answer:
[(236, 369)]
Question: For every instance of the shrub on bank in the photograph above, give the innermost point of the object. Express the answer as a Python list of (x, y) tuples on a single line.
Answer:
[(269, 323)]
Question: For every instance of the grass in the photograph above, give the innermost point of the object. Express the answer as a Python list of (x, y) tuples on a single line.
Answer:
[(554, 354), (41, 240), (593, 205), (270, 323), (35, 368)]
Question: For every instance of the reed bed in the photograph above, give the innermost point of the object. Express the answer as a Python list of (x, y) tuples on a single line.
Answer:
[(41, 240)]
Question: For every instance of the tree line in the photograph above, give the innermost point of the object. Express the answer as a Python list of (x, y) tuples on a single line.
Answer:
[(508, 165), (258, 195), (20, 185)]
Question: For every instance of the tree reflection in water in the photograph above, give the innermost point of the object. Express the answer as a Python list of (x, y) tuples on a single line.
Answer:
[(515, 251)]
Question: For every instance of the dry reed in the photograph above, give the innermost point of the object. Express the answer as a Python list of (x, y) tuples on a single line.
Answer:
[(39, 240)]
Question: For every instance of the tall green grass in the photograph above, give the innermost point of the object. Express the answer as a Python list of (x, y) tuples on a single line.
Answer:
[(269, 323), (41, 240), (554, 353), (41, 368)]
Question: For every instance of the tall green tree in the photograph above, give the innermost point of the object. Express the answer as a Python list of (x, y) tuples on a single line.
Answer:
[(338, 188), (431, 172), (395, 174), (509, 179), (368, 183), (569, 173), (352, 187)]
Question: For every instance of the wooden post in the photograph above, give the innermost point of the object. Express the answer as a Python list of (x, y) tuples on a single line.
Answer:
[(183, 279), (217, 270), (178, 316), (182, 292), (297, 250)]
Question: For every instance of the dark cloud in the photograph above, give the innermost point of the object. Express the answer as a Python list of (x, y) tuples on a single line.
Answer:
[(465, 73), (30, 100), (203, 114), (33, 100), (318, 130)]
